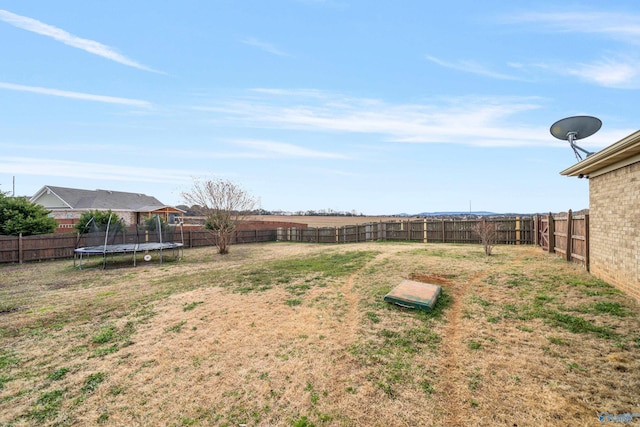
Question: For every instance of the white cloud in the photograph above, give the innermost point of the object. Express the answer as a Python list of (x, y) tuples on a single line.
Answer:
[(471, 67), (76, 95), (249, 149), (623, 74), (91, 46), (98, 171), (304, 93), (620, 72), (281, 149), (267, 47), (618, 25), (612, 70), (468, 121)]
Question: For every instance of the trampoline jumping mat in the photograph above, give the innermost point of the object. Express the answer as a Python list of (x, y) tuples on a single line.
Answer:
[(412, 294)]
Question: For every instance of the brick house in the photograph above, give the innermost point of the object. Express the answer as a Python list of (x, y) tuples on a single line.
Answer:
[(614, 209), (68, 204)]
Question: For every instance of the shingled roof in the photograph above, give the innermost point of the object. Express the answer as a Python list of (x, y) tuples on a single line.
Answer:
[(74, 198)]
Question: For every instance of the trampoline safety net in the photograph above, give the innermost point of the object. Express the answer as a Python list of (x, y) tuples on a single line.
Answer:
[(115, 238)]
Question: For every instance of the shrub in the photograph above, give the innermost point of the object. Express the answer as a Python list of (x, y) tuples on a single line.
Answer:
[(95, 220), (20, 216)]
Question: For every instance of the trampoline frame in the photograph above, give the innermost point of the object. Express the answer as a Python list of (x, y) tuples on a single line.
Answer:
[(126, 248)]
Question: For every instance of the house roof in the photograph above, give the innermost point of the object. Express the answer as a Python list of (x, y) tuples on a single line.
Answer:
[(618, 155), (75, 198)]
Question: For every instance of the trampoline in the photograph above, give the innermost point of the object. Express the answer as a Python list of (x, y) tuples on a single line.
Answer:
[(160, 237), (123, 248)]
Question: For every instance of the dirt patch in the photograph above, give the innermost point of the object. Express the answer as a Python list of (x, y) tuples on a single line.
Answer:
[(58, 285), (430, 278)]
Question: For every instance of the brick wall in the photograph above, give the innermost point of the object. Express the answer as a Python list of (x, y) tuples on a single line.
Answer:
[(66, 225), (614, 228)]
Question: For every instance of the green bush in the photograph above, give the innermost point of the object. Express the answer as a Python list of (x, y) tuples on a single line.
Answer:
[(19, 215), (151, 223), (100, 221)]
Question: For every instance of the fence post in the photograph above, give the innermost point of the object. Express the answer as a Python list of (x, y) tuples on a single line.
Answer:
[(443, 235), (586, 241), (20, 249), (569, 236), (552, 235), (536, 230), (424, 230), (517, 230)]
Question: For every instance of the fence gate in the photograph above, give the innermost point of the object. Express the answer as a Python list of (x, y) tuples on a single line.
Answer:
[(543, 230)]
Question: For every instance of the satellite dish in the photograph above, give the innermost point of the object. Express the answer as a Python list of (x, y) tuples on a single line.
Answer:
[(577, 127)]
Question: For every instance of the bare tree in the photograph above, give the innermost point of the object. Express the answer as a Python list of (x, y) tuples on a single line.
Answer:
[(224, 205), (488, 233)]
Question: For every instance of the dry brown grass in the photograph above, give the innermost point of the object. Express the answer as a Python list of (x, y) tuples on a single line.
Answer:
[(297, 334)]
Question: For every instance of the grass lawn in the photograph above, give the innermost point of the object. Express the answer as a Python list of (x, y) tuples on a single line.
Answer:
[(297, 334)]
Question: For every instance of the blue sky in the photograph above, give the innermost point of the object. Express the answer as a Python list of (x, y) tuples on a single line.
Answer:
[(371, 106)]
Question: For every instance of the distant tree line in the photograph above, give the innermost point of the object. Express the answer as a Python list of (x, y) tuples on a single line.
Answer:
[(196, 210)]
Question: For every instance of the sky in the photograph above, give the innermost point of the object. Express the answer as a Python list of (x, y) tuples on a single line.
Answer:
[(366, 106)]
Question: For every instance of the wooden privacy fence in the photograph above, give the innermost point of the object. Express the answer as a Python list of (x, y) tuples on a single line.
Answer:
[(36, 248), (510, 231), (55, 246), (566, 235)]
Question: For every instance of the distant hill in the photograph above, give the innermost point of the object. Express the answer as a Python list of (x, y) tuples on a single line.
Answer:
[(461, 214), (451, 213), (457, 213), (485, 213)]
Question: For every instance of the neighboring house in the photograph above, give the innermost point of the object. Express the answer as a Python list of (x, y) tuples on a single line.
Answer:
[(68, 204), (614, 210)]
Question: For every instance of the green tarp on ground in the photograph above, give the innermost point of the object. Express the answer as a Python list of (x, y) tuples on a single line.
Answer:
[(412, 294)]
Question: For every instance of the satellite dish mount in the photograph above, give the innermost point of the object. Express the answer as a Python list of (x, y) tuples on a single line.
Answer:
[(577, 127)]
